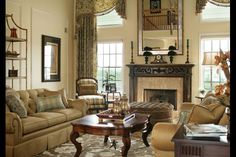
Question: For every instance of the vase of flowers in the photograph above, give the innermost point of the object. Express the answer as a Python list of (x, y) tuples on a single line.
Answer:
[(222, 91)]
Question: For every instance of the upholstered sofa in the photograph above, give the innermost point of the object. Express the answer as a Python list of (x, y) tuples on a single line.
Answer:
[(42, 128), (209, 111)]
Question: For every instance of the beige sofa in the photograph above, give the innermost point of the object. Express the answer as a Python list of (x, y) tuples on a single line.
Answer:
[(39, 131)]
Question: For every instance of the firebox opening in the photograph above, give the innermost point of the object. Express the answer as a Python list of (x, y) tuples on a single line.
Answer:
[(161, 95)]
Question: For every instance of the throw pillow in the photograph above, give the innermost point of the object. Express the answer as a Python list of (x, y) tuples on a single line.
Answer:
[(49, 103), (62, 92), (206, 114), (16, 105)]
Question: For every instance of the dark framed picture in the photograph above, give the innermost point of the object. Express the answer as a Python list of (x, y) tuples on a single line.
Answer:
[(51, 51), (112, 87), (155, 6)]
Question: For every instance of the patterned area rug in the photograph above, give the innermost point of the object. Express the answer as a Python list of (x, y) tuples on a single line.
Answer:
[(93, 146)]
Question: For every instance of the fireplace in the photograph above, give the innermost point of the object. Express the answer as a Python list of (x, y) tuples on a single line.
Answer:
[(161, 95), (177, 77)]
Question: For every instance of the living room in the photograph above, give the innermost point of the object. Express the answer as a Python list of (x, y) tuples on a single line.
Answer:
[(57, 18)]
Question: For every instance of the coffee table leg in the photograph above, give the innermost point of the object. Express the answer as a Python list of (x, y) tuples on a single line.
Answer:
[(146, 131), (105, 138), (126, 141), (78, 146)]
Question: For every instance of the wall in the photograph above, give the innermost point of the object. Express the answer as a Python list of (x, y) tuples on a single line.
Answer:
[(48, 17), (193, 28)]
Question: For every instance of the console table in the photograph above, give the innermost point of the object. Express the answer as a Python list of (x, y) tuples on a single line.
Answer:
[(200, 148)]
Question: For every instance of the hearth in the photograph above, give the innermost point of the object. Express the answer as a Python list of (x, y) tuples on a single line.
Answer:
[(161, 95)]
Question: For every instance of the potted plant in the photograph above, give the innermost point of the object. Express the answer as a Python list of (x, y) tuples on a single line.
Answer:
[(171, 53), (106, 82), (147, 53)]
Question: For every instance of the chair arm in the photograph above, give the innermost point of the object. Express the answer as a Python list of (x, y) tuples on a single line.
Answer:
[(186, 106), (162, 134), (78, 104), (14, 128)]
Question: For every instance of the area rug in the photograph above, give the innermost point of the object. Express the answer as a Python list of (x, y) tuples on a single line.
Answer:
[(93, 146)]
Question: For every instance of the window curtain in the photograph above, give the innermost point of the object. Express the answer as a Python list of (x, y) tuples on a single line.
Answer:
[(86, 32), (200, 4)]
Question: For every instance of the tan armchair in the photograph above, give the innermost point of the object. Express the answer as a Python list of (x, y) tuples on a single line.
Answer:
[(86, 89), (206, 112)]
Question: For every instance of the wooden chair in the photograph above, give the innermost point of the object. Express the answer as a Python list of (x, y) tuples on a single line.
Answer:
[(86, 89)]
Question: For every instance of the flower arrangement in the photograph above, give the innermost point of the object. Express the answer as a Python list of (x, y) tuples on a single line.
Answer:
[(222, 91)]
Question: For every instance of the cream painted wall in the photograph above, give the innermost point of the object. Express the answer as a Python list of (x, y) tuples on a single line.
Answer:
[(48, 17), (193, 28)]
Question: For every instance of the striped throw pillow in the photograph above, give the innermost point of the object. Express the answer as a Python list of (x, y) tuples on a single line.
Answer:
[(49, 103)]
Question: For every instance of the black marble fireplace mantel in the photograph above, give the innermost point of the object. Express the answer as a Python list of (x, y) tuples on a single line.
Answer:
[(160, 70)]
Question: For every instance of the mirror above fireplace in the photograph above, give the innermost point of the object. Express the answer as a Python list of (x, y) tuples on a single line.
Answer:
[(160, 25)]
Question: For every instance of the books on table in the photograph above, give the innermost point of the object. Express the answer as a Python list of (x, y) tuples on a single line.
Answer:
[(204, 131)]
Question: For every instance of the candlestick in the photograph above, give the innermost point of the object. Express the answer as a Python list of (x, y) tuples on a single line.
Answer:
[(187, 51), (132, 57)]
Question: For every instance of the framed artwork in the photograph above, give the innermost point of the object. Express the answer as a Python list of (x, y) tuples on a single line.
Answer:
[(155, 6), (51, 50)]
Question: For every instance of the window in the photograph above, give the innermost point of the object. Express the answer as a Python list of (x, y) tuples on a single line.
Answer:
[(215, 13), (211, 75), (110, 19), (109, 61)]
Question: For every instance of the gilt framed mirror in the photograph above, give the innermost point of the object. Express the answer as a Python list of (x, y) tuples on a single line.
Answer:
[(160, 25), (51, 50)]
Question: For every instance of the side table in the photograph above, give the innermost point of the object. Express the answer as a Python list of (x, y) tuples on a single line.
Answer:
[(107, 94), (200, 148)]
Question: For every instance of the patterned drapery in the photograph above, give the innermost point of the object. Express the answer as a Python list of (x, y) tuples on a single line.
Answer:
[(86, 32), (200, 4), (87, 37)]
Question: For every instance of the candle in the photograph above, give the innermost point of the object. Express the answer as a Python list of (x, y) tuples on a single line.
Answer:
[(132, 46), (187, 42)]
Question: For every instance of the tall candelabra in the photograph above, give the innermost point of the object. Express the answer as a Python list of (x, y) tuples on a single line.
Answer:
[(187, 51), (132, 55)]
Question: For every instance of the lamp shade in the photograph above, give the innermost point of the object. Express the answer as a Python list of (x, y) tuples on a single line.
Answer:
[(209, 58)]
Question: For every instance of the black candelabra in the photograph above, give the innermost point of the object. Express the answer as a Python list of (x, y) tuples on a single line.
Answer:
[(187, 61)]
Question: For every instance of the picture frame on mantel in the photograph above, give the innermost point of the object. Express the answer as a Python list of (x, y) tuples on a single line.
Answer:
[(51, 52)]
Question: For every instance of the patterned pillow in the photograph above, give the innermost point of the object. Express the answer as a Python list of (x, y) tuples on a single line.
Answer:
[(49, 103), (62, 92), (16, 105)]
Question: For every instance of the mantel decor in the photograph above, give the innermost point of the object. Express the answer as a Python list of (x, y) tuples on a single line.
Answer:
[(160, 70)]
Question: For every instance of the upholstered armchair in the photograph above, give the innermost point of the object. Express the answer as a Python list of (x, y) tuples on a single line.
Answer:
[(209, 111), (86, 89)]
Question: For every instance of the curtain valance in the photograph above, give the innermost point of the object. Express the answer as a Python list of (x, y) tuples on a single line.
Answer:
[(200, 4)]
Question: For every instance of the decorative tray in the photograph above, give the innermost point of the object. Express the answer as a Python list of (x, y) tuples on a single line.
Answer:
[(110, 115)]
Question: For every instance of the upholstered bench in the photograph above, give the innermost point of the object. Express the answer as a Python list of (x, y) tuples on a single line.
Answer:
[(160, 112)]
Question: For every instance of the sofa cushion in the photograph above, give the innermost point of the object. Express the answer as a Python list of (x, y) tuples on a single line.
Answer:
[(32, 124), (16, 105), (62, 92), (87, 89), (93, 99), (70, 113), (49, 103), (52, 118)]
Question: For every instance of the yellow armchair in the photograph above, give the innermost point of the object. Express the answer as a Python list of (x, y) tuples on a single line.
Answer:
[(162, 133)]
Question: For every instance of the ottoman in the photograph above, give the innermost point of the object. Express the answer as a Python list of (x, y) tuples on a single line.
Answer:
[(160, 112)]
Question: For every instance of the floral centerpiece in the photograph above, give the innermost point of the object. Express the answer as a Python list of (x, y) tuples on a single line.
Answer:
[(222, 91)]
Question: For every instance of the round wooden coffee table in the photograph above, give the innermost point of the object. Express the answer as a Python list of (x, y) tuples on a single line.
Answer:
[(90, 124)]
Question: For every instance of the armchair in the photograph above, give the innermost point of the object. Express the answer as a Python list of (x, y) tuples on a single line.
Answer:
[(209, 111), (86, 89)]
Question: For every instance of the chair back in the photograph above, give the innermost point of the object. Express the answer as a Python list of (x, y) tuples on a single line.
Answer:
[(86, 86)]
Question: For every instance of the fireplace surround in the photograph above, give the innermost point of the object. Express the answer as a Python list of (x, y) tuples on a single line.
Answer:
[(160, 76)]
